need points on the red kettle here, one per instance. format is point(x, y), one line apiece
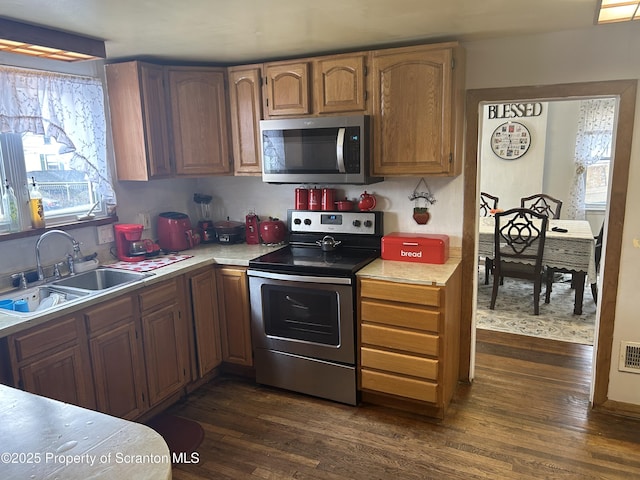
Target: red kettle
point(367, 202)
point(272, 231)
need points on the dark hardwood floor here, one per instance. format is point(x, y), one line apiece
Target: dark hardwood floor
point(526, 416)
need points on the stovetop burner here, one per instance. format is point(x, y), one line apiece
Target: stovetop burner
point(360, 234)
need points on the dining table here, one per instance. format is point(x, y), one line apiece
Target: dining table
point(569, 246)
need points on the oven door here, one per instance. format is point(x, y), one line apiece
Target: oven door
point(303, 315)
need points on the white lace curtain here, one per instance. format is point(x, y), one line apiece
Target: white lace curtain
point(68, 108)
point(593, 143)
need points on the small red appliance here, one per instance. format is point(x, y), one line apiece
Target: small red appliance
point(252, 234)
point(415, 247)
point(175, 232)
point(127, 233)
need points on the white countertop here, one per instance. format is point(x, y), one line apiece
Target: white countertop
point(45, 438)
point(410, 272)
point(203, 255)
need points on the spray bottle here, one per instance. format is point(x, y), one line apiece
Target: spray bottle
point(36, 208)
point(10, 207)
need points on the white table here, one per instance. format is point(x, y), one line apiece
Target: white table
point(573, 250)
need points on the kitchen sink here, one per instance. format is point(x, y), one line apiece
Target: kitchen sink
point(99, 279)
point(41, 299)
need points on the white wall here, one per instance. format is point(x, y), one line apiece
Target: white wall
point(606, 52)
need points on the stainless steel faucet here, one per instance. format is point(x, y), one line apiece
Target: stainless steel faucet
point(76, 250)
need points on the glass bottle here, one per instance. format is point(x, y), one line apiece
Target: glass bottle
point(36, 208)
point(10, 206)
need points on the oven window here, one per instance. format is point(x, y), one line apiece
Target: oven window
point(301, 314)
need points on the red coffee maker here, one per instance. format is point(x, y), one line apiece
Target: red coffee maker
point(126, 233)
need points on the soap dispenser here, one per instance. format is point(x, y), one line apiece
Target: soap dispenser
point(36, 208)
point(10, 207)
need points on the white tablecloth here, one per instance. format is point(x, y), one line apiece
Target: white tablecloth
point(573, 250)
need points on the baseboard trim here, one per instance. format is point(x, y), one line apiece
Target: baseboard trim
point(619, 408)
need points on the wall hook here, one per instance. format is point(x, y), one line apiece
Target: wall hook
point(428, 196)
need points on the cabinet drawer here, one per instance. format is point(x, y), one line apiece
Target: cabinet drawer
point(109, 314)
point(401, 292)
point(400, 316)
point(160, 294)
point(400, 386)
point(398, 363)
point(400, 339)
point(47, 337)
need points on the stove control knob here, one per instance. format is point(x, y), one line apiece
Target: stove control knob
point(307, 221)
point(368, 223)
point(297, 221)
point(356, 223)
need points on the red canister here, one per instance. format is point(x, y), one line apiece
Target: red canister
point(302, 199)
point(315, 198)
point(328, 199)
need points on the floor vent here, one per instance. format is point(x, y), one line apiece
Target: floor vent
point(629, 357)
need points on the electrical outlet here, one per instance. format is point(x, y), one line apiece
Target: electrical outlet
point(105, 234)
point(144, 219)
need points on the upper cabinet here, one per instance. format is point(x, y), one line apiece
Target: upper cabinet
point(418, 110)
point(168, 121)
point(340, 83)
point(199, 120)
point(139, 120)
point(287, 88)
point(245, 98)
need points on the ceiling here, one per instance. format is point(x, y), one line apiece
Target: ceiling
point(240, 31)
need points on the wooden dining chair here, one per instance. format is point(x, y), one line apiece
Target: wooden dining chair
point(542, 203)
point(598, 256)
point(519, 245)
point(487, 203)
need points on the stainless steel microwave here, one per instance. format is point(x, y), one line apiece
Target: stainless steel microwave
point(329, 150)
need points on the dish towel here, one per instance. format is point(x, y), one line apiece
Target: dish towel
point(150, 263)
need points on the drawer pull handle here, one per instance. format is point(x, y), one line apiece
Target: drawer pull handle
point(410, 244)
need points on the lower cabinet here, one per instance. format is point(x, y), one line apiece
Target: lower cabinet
point(206, 323)
point(52, 360)
point(409, 343)
point(235, 315)
point(117, 357)
point(165, 339)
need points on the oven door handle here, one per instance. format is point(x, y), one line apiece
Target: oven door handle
point(299, 278)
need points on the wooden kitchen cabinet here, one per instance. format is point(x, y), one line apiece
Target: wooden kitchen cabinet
point(286, 87)
point(245, 98)
point(52, 360)
point(235, 315)
point(204, 300)
point(418, 95)
point(199, 117)
point(409, 343)
point(340, 83)
point(117, 357)
point(165, 339)
point(139, 120)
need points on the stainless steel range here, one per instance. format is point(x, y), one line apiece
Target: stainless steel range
point(303, 303)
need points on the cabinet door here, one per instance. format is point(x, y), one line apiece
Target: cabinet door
point(63, 375)
point(413, 104)
point(165, 345)
point(116, 357)
point(339, 84)
point(235, 317)
point(199, 121)
point(287, 89)
point(117, 371)
point(139, 120)
point(205, 317)
point(245, 96)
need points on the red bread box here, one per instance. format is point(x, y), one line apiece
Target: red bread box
point(415, 247)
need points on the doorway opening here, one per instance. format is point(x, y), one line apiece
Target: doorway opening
point(625, 92)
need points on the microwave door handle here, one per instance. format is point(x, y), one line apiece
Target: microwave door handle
point(340, 150)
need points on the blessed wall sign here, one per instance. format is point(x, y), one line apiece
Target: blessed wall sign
point(514, 110)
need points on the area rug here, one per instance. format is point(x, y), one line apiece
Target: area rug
point(181, 434)
point(514, 311)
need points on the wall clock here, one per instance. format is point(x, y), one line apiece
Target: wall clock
point(510, 140)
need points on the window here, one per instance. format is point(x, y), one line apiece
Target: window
point(52, 129)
